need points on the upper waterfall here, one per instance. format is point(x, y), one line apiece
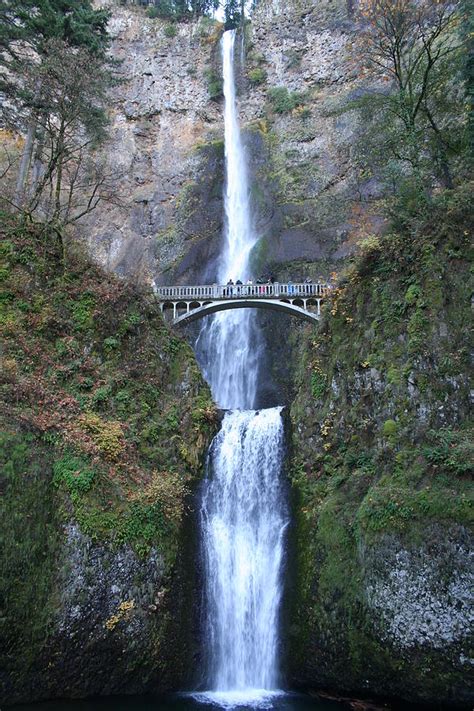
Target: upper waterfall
point(232, 339)
point(239, 233)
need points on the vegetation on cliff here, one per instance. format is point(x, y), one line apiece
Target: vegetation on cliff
point(105, 421)
point(383, 455)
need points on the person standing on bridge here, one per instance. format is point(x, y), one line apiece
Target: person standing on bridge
point(230, 289)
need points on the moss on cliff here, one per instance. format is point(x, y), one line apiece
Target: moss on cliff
point(383, 449)
point(105, 421)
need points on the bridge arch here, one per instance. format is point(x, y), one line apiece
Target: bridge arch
point(270, 304)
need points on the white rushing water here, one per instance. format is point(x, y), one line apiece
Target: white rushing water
point(243, 523)
point(229, 343)
point(243, 511)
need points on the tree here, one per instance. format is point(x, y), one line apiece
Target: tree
point(71, 120)
point(182, 9)
point(27, 28)
point(232, 14)
point(414, 47)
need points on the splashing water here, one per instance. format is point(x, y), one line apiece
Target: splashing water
point(243, 521)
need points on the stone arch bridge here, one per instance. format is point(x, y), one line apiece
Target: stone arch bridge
point(184, 304)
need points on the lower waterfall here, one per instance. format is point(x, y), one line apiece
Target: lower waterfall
point(243, 520)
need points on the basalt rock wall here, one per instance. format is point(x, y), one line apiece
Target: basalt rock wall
point(166, 144)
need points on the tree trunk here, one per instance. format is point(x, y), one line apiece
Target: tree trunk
point(446, 178)
point(38, 165)
point(59, 174)
point(242, 33)
point(25, 162)
point(27, 150)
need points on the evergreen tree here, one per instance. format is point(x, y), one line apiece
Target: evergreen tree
point(182, 9)
point(232, 14)
point(27, 28)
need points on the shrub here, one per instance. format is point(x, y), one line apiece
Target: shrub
point(303, 112)
point(453, 451)
point(107, 435)
point(283, 101)
point(170, 30)
point(76, 474)
point(389, 429)
point(111, 344)
point(318, 382)
point(214, 84)
point(294, 58)
point(82, 311)
point(412, 294)
point(257, 76)
point(169, 491)
point(210, 31)
point(129, 323)
point(101, 395)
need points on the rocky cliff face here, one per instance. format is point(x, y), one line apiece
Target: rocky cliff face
point(381, 473)
point(161, 113)
point(166, 144)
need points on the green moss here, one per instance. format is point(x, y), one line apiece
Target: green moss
point(215, 147)
point(373, 466)
point(258, 258)
point(99, 378)
point(29, 543)
point(416, 329)
point(390, 429)
point(394, 377)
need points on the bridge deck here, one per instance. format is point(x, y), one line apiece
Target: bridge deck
point(226, 291)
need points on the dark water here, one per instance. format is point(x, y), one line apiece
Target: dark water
point(181, 702)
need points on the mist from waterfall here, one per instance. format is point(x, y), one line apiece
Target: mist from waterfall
point(243, 512)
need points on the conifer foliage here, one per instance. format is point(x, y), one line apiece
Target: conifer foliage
point(54, 74)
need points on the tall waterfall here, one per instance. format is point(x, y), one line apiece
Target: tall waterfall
point(243, 512)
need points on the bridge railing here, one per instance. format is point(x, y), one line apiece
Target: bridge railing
point(227, 291)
